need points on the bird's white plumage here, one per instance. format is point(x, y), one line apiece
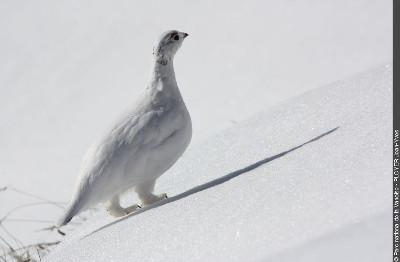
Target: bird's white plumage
point(142, 145)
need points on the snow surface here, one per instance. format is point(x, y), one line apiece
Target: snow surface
point(367, 240)
point(306, 179)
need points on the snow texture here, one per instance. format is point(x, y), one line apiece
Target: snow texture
point(297, 181)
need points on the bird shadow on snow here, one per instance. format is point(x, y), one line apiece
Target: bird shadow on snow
point(214, 182)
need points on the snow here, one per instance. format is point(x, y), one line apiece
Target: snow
point(299, 180)
point(347, 244)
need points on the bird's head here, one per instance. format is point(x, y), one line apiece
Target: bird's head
point(168, 44)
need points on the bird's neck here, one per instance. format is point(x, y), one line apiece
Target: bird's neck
point(163, 75)
point(163, 67)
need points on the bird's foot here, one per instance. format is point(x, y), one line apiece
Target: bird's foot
point(153, 199)
point(116, 211)
point(132, 208)
point(120, 211)
point(162, 196)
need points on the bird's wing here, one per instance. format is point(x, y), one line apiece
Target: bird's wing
point(133, 131)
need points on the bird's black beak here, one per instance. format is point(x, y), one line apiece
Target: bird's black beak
point(185, 35)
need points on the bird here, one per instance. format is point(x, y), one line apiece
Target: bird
point(141, 145)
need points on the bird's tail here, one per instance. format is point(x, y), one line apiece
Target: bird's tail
point(72, 210)
point(78, 204)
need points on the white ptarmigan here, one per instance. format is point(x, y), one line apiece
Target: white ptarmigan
point(141, 146)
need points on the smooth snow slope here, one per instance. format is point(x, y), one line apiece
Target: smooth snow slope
point(367, 240)
point(308, 174)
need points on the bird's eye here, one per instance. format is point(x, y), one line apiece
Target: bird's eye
point(176, 37)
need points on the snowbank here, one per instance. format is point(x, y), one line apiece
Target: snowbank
point(306, 176)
